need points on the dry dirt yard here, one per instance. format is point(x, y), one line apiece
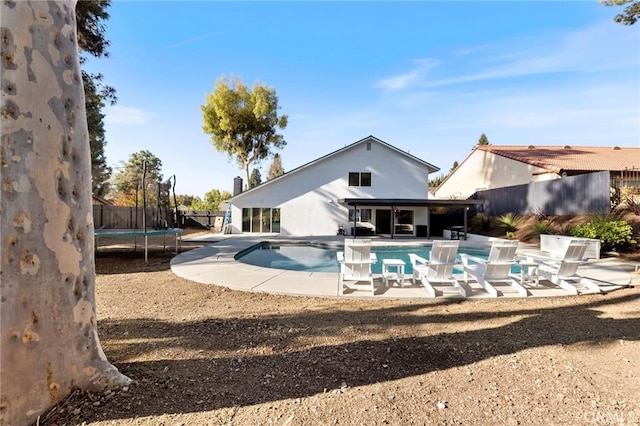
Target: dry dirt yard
point(204, 355)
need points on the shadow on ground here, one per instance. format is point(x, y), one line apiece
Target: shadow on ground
point(246, 361)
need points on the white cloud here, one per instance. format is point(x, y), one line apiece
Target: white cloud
point(119, 114)
point(597, 48)
point(411, 78)
point(192, 40)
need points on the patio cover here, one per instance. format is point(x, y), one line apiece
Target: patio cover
point(410, 202)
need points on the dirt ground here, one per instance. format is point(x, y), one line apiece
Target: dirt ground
point(203, 355)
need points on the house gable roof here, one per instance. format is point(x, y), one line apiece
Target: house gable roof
point(430, 167)
point(558, 159)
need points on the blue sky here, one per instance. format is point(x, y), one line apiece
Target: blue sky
point(427, 77)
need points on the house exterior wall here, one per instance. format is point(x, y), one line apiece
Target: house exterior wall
point(308, 198)
point(485, 170)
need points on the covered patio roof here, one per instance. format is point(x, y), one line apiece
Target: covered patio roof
point(411, 202)
point(408, 202)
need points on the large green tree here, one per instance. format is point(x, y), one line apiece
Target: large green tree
point(185, 200)
point(255, 179)
point(631, 13)
point(129, 182)
point(276, 168)
point(91, 17)
point(95, 98)
point(212, 200)
point(243, 123)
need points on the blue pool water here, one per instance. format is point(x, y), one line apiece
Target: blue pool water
point(322, 258)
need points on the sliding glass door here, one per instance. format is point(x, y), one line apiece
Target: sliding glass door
point(403, 222)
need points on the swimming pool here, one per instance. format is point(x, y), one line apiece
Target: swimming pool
point(314, 257)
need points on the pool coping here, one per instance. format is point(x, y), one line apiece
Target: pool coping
point(215, 264)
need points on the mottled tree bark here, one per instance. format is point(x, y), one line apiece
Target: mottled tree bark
point(49, 342)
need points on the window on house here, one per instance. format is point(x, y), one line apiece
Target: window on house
point(246, 219)
point(354, 179)
point(255, 219)
point(275, 220)
point(360, 215)
point(260, 219)
point(359, 179)
point(404, 222)
point(266, 220)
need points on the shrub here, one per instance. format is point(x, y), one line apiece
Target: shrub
point(613, 234)
point(483, 221)
point(542, 227)
point(584, 230)
point(510, 221)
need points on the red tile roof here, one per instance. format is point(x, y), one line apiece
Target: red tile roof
point(568, 158)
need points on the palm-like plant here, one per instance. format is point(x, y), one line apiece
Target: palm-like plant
point(542, 227)
point(510, 221)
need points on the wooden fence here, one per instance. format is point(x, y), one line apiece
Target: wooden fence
point(119, 217)
point(202, 219)
point(582, 194)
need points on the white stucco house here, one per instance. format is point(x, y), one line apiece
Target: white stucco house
point(369, 185)
point(498, 166)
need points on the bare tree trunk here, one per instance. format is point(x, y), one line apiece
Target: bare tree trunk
point(49, 342)
point(247, 185)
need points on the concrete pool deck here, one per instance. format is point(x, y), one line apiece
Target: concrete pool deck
point(215, 264)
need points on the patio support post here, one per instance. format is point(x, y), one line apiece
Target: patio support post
point(393, 221)
point(466, 210)
point(355, 219)
point(428, 222)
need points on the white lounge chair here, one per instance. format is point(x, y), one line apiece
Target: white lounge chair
point(564, 272)
point(494, 270)
point(355, 263)
point(438, 269)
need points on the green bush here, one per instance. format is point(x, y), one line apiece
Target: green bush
point(613, 234)
point(482, 221)
point(510, 221)
point(542, 227)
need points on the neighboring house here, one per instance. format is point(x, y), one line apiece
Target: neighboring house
point(496, 166)
point(370, 185)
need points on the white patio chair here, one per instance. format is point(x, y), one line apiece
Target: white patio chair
point(438, 269)
point(494, 270)
point(355, 264)
point(564, 272)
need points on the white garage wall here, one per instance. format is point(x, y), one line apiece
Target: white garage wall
point(486, 170)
